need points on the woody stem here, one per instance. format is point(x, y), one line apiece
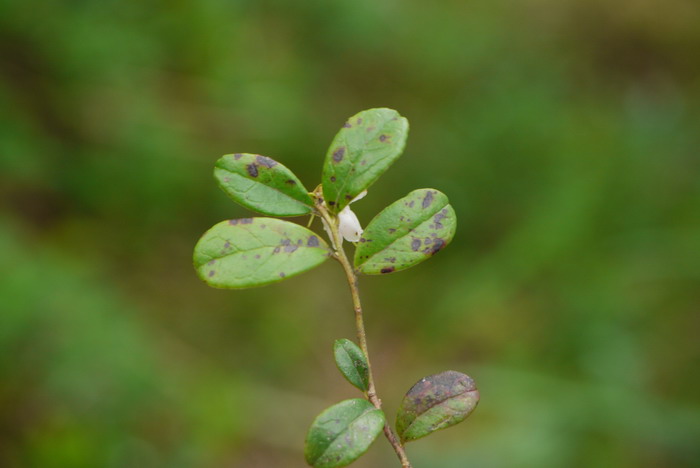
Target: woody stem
point(371, 393)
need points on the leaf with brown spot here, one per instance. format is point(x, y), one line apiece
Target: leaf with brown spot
point(363, 150)
point(410, 230)
point(436, 402)
point(262, 184)
point(249, 252)
point(342, 433)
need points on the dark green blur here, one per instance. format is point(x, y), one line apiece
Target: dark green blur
point(566, 134)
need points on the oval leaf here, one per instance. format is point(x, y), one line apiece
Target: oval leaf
point(242, 253)
point(434, 403)
point(342, 433)
point(352, 363)
point(262, 184)
point(406, 232)
point(365, 147)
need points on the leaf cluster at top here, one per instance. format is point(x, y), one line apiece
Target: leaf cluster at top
point(241, 253)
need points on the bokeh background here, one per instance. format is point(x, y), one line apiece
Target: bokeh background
point(565, 133)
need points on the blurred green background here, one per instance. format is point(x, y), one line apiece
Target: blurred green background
point(565, 133)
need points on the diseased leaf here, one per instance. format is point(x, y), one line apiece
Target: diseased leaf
point(262, 184)
point(436, 402)
point(242, 253)
point(343, 432)
point(352, 363)
point(363, 149)
point(407, 232)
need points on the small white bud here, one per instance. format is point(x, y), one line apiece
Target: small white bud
point(349, 225)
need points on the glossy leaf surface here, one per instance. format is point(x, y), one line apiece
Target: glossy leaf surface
point(363, 149)
point(262, 184)
point(407, 232)
point(343, 432)
point(352, 363)
point(242, 253)
point(436, 402)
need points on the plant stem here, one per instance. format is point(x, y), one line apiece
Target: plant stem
point(337, 241)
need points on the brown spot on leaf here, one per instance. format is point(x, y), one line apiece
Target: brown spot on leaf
point(438, 244)
point(387, 269)
point(439, 217)
point(392, 230)
point(247, 221)
point(233, 222)
point(277, 250)
point(290, 182)
point(237, 156)
point(312, 242)
point(282, 275)
point(359, 121)
point(390, 259)
point(290, 248)
point(332, 178)
point(415, 244)
point(252, 169)
point(383, 138)
point(265, 161)
point(331, 203)
point(428, 199)
point(227, 245)
point(338, 154)
point(257, 256)
point(347, 125)
point(211, 273)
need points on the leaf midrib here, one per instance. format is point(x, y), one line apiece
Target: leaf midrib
point(431, 407)
point(414, 227)
point(270, 187)
point(365, 412)
point(352, 366)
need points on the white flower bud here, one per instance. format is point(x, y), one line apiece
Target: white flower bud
point(349, 225)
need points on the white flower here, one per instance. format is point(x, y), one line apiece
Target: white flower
point(349, 225)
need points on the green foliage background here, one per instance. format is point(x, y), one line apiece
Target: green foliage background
point(564, 132)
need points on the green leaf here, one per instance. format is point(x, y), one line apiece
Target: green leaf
point(343, 432)
point(410, 230)
point(242, 253)
point(434, 403)
point(352, 363)
point(262, 184)
point(363, 149)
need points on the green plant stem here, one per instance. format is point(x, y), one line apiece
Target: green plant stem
point(371, 393)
